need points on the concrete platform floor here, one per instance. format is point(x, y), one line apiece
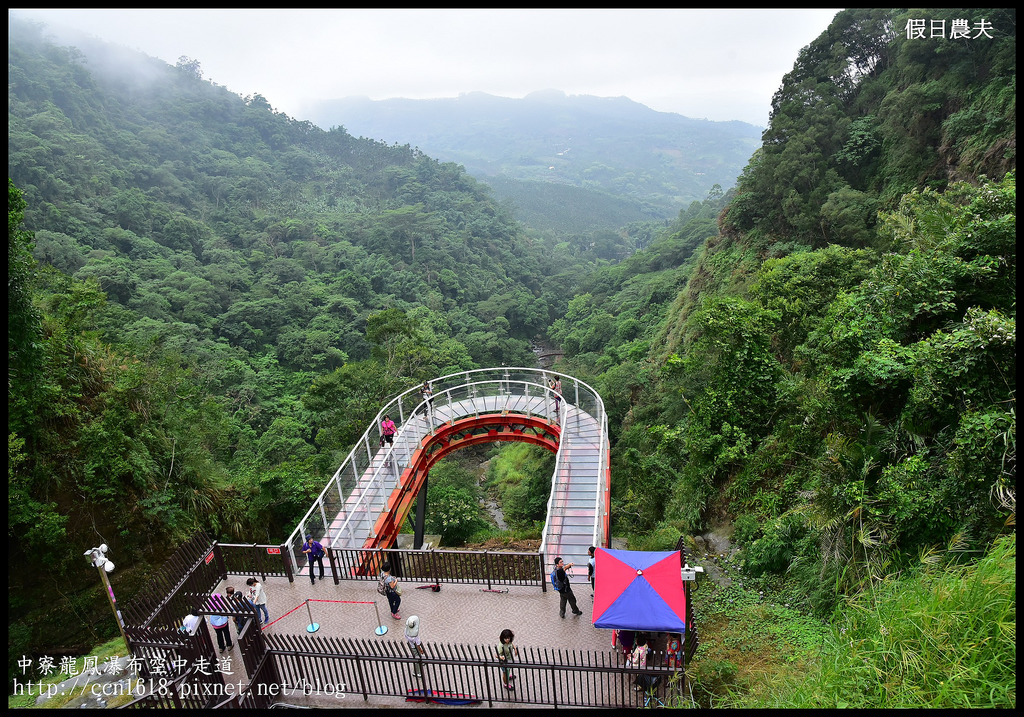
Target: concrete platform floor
point(457, 614)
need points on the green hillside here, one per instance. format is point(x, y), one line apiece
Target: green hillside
point(659, 160)
point(834, 384)
point(210, 300)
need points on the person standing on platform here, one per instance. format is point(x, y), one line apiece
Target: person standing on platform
point(590, 568)
point(259, 599)
point(239, 601)
point(564, 588)
point(314, 554)
point(412, 638)
point(506, 649)
point(220, 624)
point(392, 591)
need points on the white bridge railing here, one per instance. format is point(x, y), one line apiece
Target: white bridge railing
point(344, 513)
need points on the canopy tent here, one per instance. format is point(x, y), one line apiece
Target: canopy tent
point(639, 590)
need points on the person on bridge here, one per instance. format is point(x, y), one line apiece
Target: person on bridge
point(556, 389)
point(387, 431)
point(314, 554)
point(220, 624)
point(565, 588)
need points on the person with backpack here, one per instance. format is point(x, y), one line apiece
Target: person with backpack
point(560, 581)
point(314, 554)
point(388, 587)
point(427, 391)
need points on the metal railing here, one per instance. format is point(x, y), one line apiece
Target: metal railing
point(349, 505)
point(254, 559)
point(193, 569)
point(441, 566)
point(552, 677)
point(587, 400)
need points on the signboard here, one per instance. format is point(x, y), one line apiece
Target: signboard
point(209, 557)
point(273, 551)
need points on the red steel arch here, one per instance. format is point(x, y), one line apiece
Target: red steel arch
point(484, 428)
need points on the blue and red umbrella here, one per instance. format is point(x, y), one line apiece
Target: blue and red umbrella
point(638, 590)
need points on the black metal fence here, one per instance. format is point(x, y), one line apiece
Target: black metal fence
point(558, 678)
point(440, 566)
point(254, 559)
point(166, 658)
point(320, 665)
point(193, 570)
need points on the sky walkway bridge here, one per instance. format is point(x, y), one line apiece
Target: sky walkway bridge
point(377, 488)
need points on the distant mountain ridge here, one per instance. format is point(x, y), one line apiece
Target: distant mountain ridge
point(660, 161)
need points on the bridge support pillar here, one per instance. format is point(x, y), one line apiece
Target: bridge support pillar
point(421, 515)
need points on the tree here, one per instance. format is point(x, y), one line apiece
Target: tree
point(190, 67)
point(23, 327)
point(395, 340)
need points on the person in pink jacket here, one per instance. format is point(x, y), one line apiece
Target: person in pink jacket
point(387, 431)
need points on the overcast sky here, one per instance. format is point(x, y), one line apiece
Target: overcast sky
point(714, 64)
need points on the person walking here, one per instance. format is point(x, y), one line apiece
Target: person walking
point(314, 554)
point(506, 649)
point(412, 638)
point(427, 391)
point(590, 568)
point(392, 591)
point(387, 431)
point(564, 588)
point(258, 598)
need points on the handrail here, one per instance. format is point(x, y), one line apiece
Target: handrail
point(388, 455)
point(408, 406)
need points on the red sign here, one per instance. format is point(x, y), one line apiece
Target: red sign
point(273, 551)
point(209, 557)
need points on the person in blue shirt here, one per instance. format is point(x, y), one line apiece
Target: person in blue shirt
point(315, 554)
point(220, 626)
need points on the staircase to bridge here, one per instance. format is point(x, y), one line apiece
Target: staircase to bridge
point(377, 488)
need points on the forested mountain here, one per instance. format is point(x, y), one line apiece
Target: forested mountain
point(224, 297)
point(836, 380)
point(606, 154)
point(208, 300)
